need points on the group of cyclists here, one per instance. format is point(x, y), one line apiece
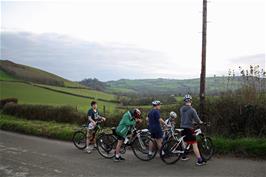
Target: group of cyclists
point(156, 125)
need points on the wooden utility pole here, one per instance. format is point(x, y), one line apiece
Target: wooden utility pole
point(203, 60)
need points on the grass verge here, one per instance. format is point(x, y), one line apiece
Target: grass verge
point(244, 147)
point(49, 129)
point(247, 147)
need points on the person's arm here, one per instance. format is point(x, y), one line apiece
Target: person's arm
point(128, 121)
point(139, 121)
point(163, 123)
point(103, 118)
point(90, 118)
point(196, 117)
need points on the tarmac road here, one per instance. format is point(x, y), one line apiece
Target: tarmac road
point(23, 155)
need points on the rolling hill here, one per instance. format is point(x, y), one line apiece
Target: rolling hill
point(161, 86)
point(30, 74)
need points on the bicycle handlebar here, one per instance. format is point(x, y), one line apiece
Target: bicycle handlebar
point(204, 124)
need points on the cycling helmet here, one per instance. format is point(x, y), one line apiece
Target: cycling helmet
point(156, 103)
point(187, 98)
point(137, 113)
point(173, 114)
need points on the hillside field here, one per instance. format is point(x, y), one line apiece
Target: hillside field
point(31, 74)
point(29, 94)
point(83, 92)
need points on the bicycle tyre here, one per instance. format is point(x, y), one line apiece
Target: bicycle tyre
point(206, 148)
point(79, 140)
point(166, 152)
point(106, 144)
point(137, 147)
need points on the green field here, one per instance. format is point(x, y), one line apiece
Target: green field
point(5, 76)
point(29, 94)
point(84, 92)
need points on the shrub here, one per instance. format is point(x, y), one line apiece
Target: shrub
point(3, 102)
point(233, 117)
point(44, 112)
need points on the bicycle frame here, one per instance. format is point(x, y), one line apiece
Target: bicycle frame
point(133, 135)
point(181, 141)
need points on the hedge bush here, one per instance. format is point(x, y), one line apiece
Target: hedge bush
point(3, 102)
point(44, 112)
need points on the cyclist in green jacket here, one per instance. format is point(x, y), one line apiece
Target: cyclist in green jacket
point(129, 120)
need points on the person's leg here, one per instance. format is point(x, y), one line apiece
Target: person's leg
point(159, 139)
point(184, 156)
point(93, 142)
point(117, 150)
point(196, 150)
point(151, 145)
point(200, 160)
point(159, 142)
point(118, 147)
point(88, 141)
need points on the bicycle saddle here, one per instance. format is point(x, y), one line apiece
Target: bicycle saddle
point(179, 129)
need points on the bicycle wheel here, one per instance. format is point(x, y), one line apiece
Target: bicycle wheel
point(79, 139)
point(206, 147)
point(140, 148)
point(106, 143)
point(171, 152)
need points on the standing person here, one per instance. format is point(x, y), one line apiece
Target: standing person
point(188, 116)
point(93, 118)
point(128, 121)
point(155, 121)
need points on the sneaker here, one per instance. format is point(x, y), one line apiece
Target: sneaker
point(121, 158)
point(88, 150)
point(200, 163)
point(184, 158)
point(117, 159)
point(149, 156)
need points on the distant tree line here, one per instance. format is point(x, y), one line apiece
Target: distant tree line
point(133, 99)
point(94, 84)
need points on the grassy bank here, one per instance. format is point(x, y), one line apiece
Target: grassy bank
point(50, 129)
point(245, 147)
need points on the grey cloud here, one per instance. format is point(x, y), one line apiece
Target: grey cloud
point(77, 59)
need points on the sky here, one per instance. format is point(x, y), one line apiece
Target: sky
point(117, 39)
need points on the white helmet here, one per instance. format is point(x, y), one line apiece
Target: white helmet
point(187, 97)
point(173, 114)
point(156, 103)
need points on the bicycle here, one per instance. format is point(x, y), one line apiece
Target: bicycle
point(79, 137)
point(138, 141)
point(173, 149)
point(169, 134)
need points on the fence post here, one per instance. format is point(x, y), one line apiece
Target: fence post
point(104, 110)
